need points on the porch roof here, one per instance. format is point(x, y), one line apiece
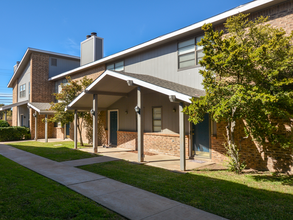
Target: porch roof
point(111, 86)
point(41, 108)
point(6, 107)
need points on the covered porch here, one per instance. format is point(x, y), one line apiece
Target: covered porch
point(139, 106)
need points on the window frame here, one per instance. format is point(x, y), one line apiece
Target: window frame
point(196, 51)
point(22, 91)
point(114, 65)
point(153, 107)
point(54, 61)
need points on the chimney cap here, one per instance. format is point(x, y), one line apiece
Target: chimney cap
point(94, 34)
point(88, 36)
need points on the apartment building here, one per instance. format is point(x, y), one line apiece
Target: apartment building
point(139, 93)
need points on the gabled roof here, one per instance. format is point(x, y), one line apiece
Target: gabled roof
point(41, 108)
point(166, 84)
point(184, 32)
point(6, 107)
point(111, 86)
point(26, 57)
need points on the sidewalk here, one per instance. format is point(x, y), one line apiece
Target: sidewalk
point(129, 201)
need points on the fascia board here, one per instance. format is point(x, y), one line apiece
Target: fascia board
point(33, 107)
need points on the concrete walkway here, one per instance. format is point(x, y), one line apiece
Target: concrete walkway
point(129, 201)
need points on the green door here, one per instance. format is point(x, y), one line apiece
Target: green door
point(113, 128)
point(201, 137)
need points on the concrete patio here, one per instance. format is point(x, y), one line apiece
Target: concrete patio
point(157, 160)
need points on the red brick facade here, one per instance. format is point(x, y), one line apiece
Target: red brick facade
point(158, 143)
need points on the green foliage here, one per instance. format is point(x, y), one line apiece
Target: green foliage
point(14, 133)
point(248, 75)
point(69, 92)
point(4, 123)
point(234, 163)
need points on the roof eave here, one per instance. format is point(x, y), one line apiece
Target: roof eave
point(215, 19)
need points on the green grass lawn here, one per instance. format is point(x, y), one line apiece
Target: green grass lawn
point(25, 194)
point(246, 196)
point(57, 151)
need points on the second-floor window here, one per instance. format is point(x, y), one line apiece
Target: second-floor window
point(22, 91)
point(118, 66)
point(189, 53)
point(53, 62)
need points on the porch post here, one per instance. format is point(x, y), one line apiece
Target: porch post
point(46, 128)
point(182, 137)
point(140, 128)
point(5, 115)
point(95, 122)
point(36, 126)
point(75, 129)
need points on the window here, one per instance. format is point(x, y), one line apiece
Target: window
point(157, 119)
point(53, 62)
point(22, 91)
point(189, 54)
point(118, 66)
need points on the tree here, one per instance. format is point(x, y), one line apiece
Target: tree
point(68, 93)
point(248, 76)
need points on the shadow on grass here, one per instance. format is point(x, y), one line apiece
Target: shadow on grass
point(226, 195)
point(283, 179)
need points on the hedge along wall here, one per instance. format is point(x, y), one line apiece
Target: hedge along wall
point(14, 133)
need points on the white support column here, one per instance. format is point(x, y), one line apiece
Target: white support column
point(75, 129)
point(140, 127)
point(36, 126)
point(46, 128)
point(182, 137)
point(95, 122)
point(5, 115)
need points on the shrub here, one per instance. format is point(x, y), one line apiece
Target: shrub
point(234, 163)
point(4, 123)
point(14, 133)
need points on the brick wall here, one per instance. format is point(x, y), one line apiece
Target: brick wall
point(92, 73)
point(41, 88)
point(41, 126)
point(158, 143)
point(265, 157)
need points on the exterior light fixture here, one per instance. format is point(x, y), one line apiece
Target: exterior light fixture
point(92, 112)
point(174, 110)
point(35, 115)
point(137, 109)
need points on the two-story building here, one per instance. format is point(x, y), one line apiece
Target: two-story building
point(144, 89)
point(139, 93)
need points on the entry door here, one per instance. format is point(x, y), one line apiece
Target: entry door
point(201, 137)
point(113, 127)
point(21, 120)
point(67, 130)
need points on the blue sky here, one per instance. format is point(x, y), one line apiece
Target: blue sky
point(60, 25)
